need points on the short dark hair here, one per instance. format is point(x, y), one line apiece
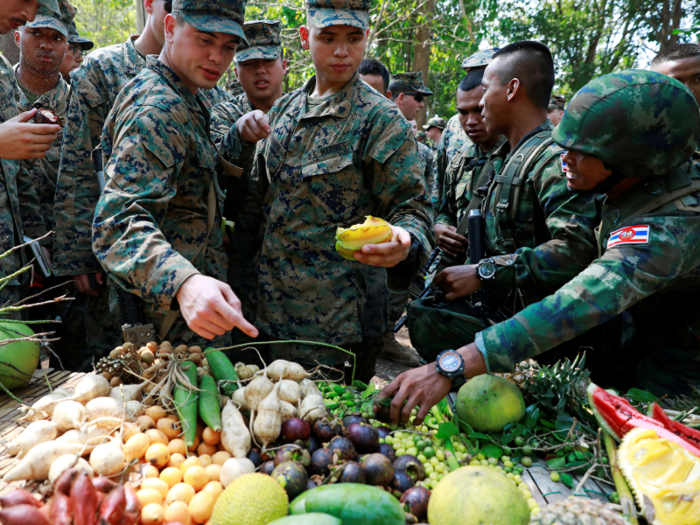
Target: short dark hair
point(372, 66)
point(472, 80)
point(677, 52)
point(531, 63)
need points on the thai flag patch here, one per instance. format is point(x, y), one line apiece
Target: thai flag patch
point(629, 235)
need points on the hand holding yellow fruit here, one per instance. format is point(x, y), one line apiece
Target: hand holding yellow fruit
point(372, 231)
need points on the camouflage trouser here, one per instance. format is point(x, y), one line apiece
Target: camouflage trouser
point(396, 307)
point(9, 296)
point(103, 328)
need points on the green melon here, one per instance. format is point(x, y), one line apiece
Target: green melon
point(22, 354)
point(488, 403)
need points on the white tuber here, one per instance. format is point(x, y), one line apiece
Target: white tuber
point(134, 409)
point(267, 424)
point(287, 410)
point(308, 387)
point(235, 437)
point(235, 468)
point(38, 461)
point(131, 393)
point(239, 400)
point(102, 407)
point(64, 463)
point(290, 391)
point(68, 415)
point(257, 390)
point(89, 387)
point(108, 459)
point(43, 408)
point(280, 369)
point(312, 408)
point(36, 433)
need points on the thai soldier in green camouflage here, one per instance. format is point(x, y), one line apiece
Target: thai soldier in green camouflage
point(95, 86)
point(434, 128)
point(538, 235)
point(157, 228)
point(19, 139)
point(629, 136)
point(337, 151)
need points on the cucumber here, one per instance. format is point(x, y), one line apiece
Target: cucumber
point(352, 503)
point(185, 401)
point(209, 406)
point(223, 371)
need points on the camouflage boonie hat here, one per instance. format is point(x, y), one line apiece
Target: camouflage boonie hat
point(436, 122)
point(213, 16)
point(556, 102)
point(409, 83)
point(479, 59)
point(264, 41)
point(77, 40)
point(640, 123)
point(46, 18)
point(326, 13)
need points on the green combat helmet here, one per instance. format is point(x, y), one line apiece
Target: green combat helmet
point(326, 13)
point(639, 123)
point(480, 59)
point(263, 41)
point(409, 83)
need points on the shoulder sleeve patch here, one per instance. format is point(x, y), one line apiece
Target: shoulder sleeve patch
point(639, 234)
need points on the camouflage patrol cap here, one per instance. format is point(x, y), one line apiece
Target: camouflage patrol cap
point(479, 59)
point(263, 38)
point(409, 83)
point(436, 122)
point(77, 40)
point(326, 13)
point(556, 102)
point(421, 135)
point(46, 18)
point(213, 16)
point(51, 5)
point(640, 123)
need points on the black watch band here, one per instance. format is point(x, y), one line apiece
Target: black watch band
point(486, 270)
point(451, 365)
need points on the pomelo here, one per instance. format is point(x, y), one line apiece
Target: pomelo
point(24, 355)
point(477, 496)
point(488, 403)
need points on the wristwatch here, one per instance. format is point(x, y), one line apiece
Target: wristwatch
point(451, 365)
point(414, 251)
point(486, 271)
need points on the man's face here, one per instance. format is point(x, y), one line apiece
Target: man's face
point(41, 49)
point(262, 79)
point(156, 8)
point(685, 70)
point(376, 81)
point(73, 59)
point(336, 51)
point(434, 133)
point(470, 115)
point(555, 115)
point(16, 13)
point(414, 127)
point(410, 105)
point(199, 58)
point(584, 172)
point(494, 101)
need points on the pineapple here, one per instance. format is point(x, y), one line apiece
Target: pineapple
point(578, 511)
point(523, 375)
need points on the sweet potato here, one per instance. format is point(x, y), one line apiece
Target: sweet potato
point(84, 495)
point(22, 515)
point(18, 497)
point(36, 433)
point(235, 437)
point(38, 461)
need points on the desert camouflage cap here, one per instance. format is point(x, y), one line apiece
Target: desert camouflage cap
point(213, 16)
point(263, 38)
point(435, 122)
point(77, 40)
point(556, 102)
point(48, 19)
point(326, 13)
point(409, 83)
point(640, 123)
point(479, 59)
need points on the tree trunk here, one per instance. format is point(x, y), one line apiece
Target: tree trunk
point(421, 51)
point(9, 48)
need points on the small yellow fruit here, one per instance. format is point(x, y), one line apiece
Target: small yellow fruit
point(190, 462)
point(177, 446)
point(213, 471)
point(156, 436)
point(171, 475)
point(157, 484)
point(205, 459)
point(136, 446)
point(180, 492)
point(176, 460)
point(151, 472)
point(158, 455)
point(169, 426)
point(210, 437)
point(196, 476)
point(156, 412)
point(179, 512)
point(130, 430)
point(215, 488)
point(221, 457)
point(145, 423)
point(204, 449)
point(152, 514)
point(147, 496)
point(152, 346)
point(201, 507)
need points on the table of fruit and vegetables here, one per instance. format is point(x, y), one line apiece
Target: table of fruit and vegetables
point(181, 435)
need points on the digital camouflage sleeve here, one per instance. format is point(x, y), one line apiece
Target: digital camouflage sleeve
point(453, 140)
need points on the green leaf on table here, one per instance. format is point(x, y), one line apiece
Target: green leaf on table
point(491, 450)
point(367, 406)
point(359, 385)
point(512, 433)
point(641, 396)
point(567, 480)
point(478, 435)
point(547, 423)
point(447, 430)
point(369, 390)
point(532, 417)
point(556, 463)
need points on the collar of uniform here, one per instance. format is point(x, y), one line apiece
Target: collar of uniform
point(174, 81)
point(133, 61)
point(504, 150)
point(338, 105)
point(51, 99)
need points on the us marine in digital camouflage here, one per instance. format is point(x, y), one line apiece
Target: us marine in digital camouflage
point(434, 128)
point(19, 139)
point(77, 46)
point(337, 151)
point(629, 136)
point(157, 228)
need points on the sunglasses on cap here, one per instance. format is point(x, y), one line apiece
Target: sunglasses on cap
point(417, 96)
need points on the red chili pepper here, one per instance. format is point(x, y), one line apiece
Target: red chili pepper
point(84, 496)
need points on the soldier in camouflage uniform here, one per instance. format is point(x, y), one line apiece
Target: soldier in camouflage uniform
point(337, 151)
point(434, 128)
point(555, 110)
point(20, 139)
point(629, 136)
point(157, 228)
point(538, 235)
point(95, 86)
point(77, 46)
point(422, 138)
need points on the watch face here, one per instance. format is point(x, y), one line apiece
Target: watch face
point(487, 270)
point(450, 362)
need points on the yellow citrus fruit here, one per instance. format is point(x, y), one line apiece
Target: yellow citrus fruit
point(158, 455)
point(201, 507)
point(147, 496)
point(196, 476)
point(152, 514)
point(179, 512)
point(180, 492)
point(172, 476)
point(156, 483)
point(220, 457)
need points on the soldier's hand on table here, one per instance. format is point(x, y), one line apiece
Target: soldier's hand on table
point(458, 281)
point(449, 241)
point(387, 254)
point(210, 307)
point(82, 283)
point(21, 139)
point(253, 126)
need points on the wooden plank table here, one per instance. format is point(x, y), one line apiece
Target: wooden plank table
point(43, 381)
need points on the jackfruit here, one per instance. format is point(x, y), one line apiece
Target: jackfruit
point(252, 499)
